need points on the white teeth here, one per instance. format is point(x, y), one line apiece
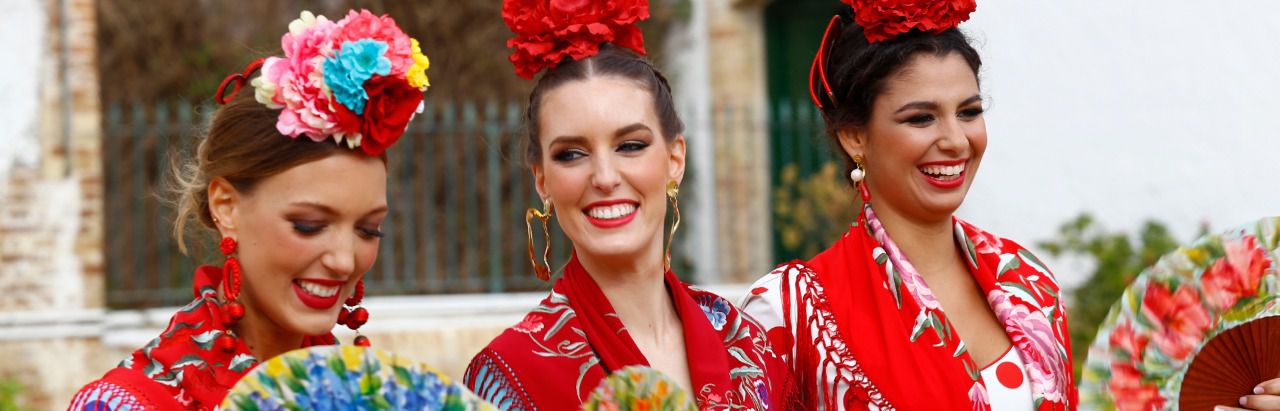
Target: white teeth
point(612, 212)
point(318, 290)
point(943, 171)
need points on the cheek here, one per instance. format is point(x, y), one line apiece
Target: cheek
point(977, 135)
point(564, 185)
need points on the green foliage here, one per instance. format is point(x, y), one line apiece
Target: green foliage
point(1117, 258)
point(11, 395)
point(811, 212)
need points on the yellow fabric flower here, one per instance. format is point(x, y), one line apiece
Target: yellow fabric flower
point(418, 72)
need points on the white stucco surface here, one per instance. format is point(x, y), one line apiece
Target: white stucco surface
point(1130, 111)
point(22, 29)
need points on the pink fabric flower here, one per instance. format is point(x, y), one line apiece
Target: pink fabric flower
point(1032, 334)
point(528, 325)
point(1180, 320)
point(366, 25)
point(978, 396)
point(986, 243)
point(1237, 275)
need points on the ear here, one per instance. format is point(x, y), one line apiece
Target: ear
point(678, 153)
point(539, 180)
point(223, 201)
point(853, 140)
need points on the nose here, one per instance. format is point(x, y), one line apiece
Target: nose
point(951, 137)
point(604, 175)
point(340, 259)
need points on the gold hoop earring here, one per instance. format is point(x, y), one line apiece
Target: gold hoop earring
point(673, 192)
point(543, 271)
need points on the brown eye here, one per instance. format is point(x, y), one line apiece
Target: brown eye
point(568, 155)
point(632, 146)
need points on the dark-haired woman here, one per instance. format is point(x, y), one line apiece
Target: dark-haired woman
point(607, 155)
point(913, 309)
point(292, 178)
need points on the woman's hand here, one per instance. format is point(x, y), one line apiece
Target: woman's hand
point(1266, 398)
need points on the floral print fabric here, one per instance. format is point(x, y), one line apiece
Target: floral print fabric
point(1151, 336)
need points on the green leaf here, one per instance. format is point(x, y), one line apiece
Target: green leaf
point(189, 359)
point(747, 371)
point(181, 326)
point(205, 339)
point(242, 362)
point(918, 328)
point(1008, 262)
point(564, 318)
point(740, 355)
point(1034, 261)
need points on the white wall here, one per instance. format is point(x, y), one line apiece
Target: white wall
point(1129, 110)
point(22, 28)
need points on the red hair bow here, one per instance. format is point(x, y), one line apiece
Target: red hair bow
point(885, 19)
point(548, 31)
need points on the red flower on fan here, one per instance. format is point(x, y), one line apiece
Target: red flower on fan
point(548, 31)
point(1129, 392)
point(1124, 338)
point(885, 19)
point(1237, 275)
point(1179, 319)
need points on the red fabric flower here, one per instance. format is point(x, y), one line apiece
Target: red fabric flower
point(885, 19)
point(548, 31)
point(1126, 339)
point(392, 103)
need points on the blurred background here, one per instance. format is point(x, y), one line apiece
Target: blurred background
point(1117, 131)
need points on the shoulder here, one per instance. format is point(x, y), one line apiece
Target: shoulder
point(772, 294)
point(123, 389)
point(1004, 251)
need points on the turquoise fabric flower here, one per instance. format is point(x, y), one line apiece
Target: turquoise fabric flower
point(353, 64)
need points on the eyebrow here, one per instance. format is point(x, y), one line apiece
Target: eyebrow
point(331, 211)
point(619, 133)
point(929, 105)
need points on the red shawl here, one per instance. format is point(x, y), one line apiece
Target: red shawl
point(893, 338)
point(564, 348)
point(182, 368)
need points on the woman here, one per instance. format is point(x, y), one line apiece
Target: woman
point(299, 218)
point(913, 309)
point(606, 152)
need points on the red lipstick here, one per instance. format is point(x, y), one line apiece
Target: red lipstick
point(315, 301)
point(613, 222)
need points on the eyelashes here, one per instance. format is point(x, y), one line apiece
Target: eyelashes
point(927, 119)
point(311, 228)
point(571, 154)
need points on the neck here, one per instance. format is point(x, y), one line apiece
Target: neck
point(636, 288)
point(264, 338)
point(928, 245)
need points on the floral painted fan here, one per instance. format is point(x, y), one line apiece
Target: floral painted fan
point(638, 388)
point(1199, 328)
point(347, 378)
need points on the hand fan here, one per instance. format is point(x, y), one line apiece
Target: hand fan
point(638, 388)
point(347, 378)
point(1231, 364)
point(1197, 329)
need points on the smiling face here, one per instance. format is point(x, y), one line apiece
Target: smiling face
point(605, 166)
point(306, 236)
point(924, 140)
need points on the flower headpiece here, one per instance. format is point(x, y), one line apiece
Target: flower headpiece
point(358, 80)
point(548, 31)
point(883, 20)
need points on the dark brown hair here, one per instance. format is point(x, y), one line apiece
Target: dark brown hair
point(243, 147)
point(857, 71)
point(611, 61)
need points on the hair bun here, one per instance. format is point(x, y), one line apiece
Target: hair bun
point(548, 31)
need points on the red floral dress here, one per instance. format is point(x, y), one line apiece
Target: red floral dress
point(860, 329)
point(181, 369)
point(568, 344)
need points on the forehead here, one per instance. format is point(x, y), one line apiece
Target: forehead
point(596, 105)
point(930, 77)
point(346, 182)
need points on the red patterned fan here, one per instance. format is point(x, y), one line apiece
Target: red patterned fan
point(1231, 364)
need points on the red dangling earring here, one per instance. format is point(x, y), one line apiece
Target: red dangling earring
point(353, 316)
point(231, 309)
